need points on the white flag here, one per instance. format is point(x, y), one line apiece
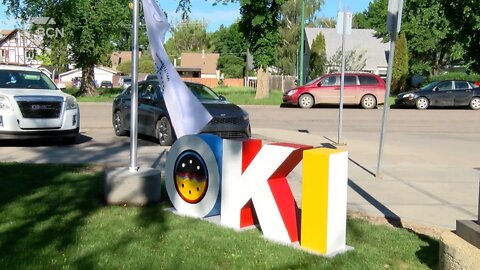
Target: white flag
point(187, 114)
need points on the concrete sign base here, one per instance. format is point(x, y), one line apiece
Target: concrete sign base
point(132, 188)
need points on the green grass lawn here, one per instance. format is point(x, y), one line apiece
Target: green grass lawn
point(54, 217)
point(246, 96)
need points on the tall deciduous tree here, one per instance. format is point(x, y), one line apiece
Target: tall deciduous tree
point(431, 42)
point(232, 46)
point(318, 57)
point(89, 27)
point(259, 23)
point(290, 14)
point(190, 36)
point(464, 16)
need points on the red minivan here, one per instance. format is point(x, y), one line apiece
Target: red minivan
point(365, 89)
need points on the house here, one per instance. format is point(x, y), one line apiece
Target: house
point(360, 40)
point(100, 74)
point(19, 47)
point(205, 62)
point(116, 58)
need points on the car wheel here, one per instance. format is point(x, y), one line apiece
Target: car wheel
point(164, 131)
point(422, 103)
point(305, 101)
point(118, 124)
point(475, 103)
point(368, 102)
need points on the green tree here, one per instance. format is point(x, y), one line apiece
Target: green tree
point(232, 46)
point(354, 60)
point(190, 36)
point(318, 57)
point(431, 42)
point(89, 27)
point(231, 66)
point(287, 49)
point(464, 17)
point(360, 21)
point(260, 23)
point(145, 65)
point(400, 65)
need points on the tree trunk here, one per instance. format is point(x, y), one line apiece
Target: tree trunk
point(263, 90)
point(87, 87)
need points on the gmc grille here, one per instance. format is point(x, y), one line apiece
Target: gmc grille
point(34, 107)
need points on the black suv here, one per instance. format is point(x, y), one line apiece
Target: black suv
point(229, 120)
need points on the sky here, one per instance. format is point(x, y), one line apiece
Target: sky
point(220, 14)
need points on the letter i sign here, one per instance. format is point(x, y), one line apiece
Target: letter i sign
point(255, 183)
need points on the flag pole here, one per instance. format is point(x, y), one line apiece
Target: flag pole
point(134, 101)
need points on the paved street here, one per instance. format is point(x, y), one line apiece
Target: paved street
point(431, 164)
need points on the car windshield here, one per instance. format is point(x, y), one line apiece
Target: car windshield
point(202, 91)
point(21, 79)
point(429, 86)
point(127, 80)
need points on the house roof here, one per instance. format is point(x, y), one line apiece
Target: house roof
point(6, 35)
point(376, 51)
point(125, 56)
point(206, 61)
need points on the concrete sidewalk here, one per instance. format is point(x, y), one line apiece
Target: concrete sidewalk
point(420, 188)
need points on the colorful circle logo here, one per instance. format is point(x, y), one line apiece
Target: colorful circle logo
point(191, 177)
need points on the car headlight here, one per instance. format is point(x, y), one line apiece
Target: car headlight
point(291, 92)
point(245, 115)
point(409, 96)
point(71, 103)
point(5, 104)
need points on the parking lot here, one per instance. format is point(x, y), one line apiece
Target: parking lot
point(430, 158)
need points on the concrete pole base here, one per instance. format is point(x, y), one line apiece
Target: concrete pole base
point(132, 188)
point(457, 254)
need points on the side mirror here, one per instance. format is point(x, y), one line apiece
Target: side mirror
point(435, 89)
point(222, 98)
point(61, 86)
point(319, 84)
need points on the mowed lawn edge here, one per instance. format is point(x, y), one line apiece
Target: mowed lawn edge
point(54, 216)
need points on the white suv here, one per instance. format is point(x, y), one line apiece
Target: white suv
point(32, 106)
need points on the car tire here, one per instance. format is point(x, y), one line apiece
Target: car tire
point(368, 102)
point(422, 103)
point(475, 103)
point(118, 126)
point(306, 101)
point(164, 132)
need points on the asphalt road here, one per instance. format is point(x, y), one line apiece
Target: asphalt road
point(430, 163)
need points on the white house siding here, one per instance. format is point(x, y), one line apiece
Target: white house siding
point(360, 40)
point(21, 48)
point(100, 74)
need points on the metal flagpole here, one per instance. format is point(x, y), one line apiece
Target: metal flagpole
point(301, 79)
point(134, 101)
